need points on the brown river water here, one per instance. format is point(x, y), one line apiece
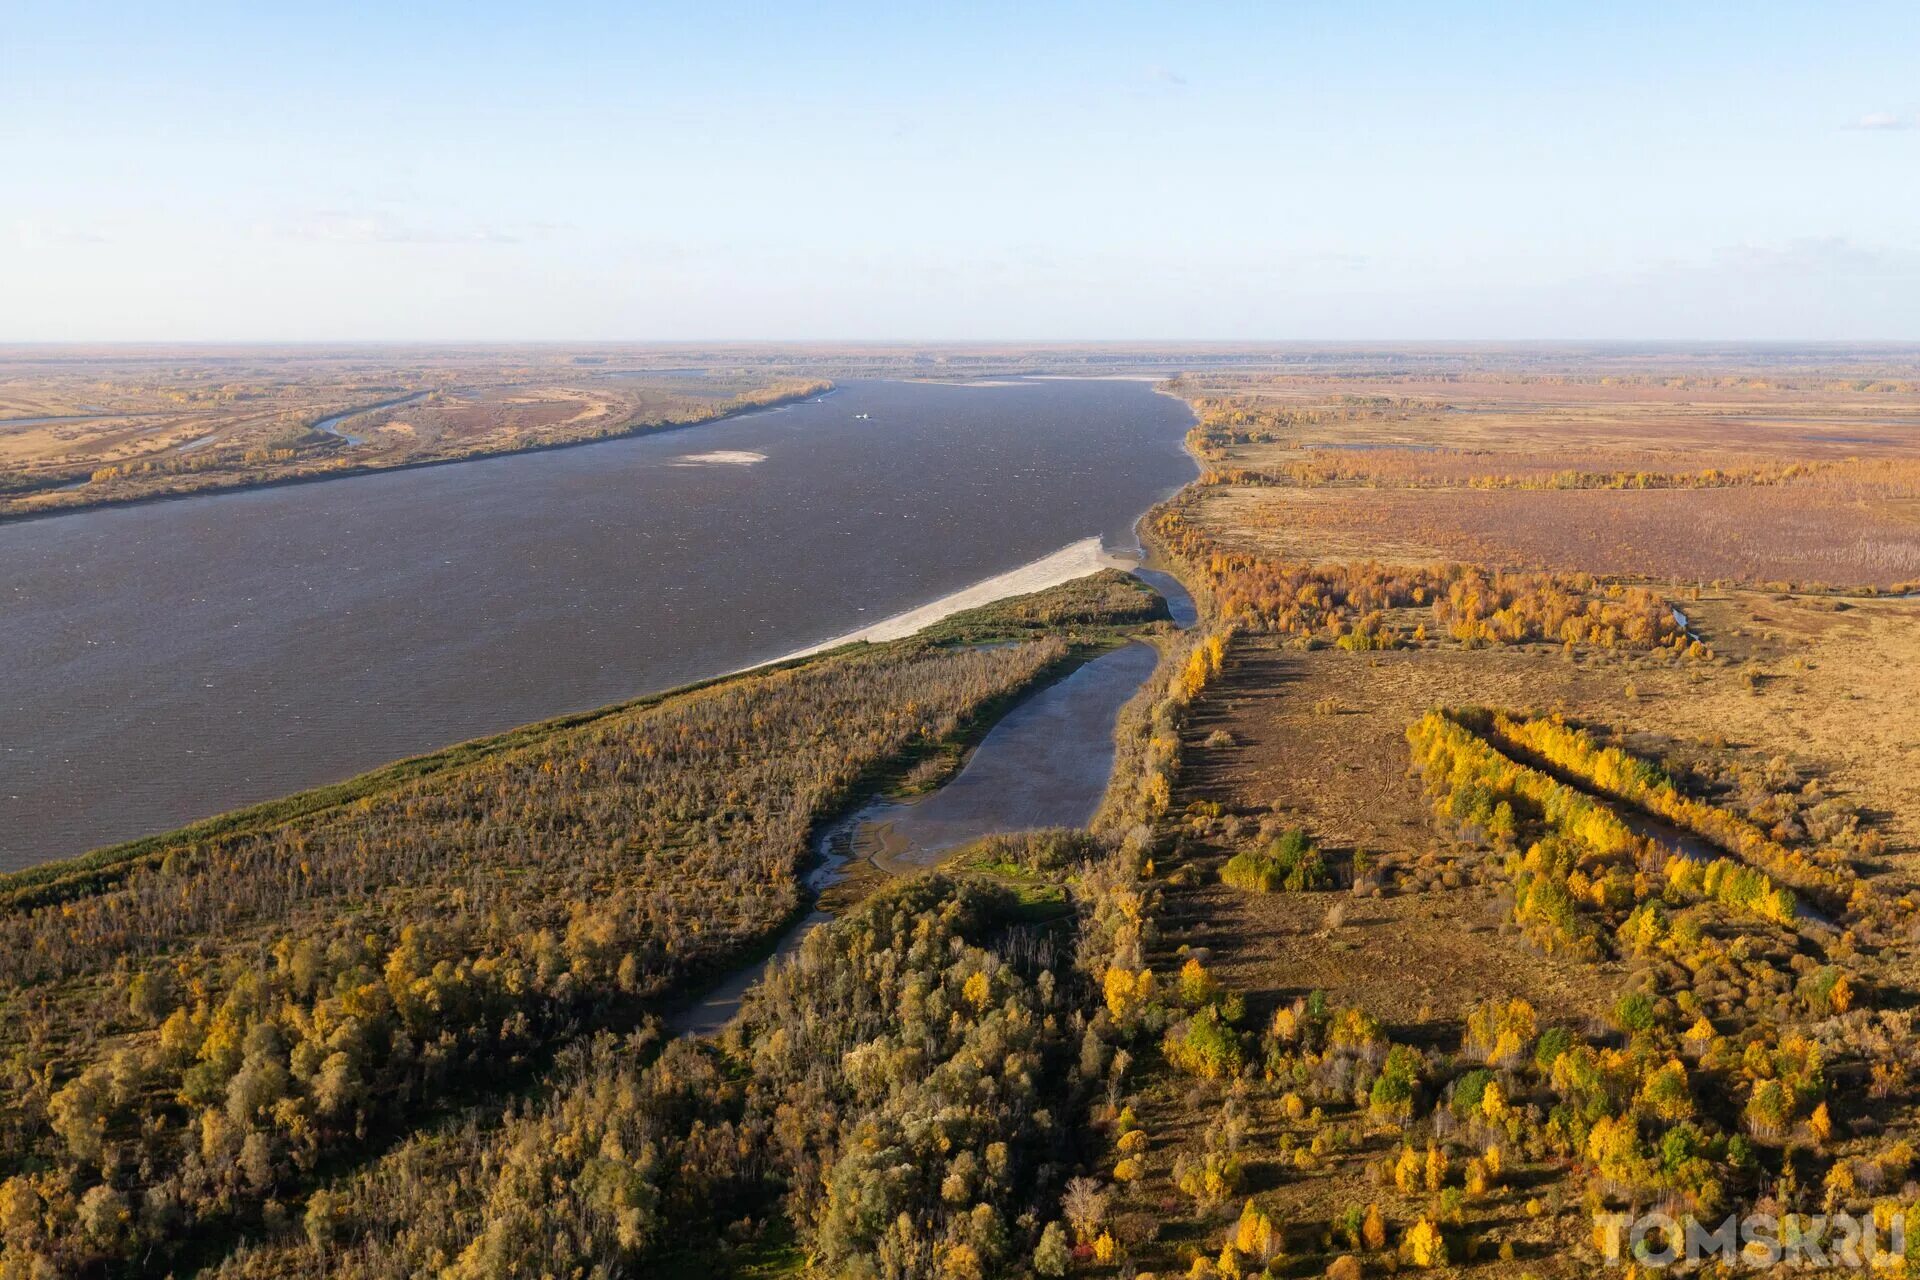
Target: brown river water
point(163, 662)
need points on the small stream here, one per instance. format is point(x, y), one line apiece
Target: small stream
point(1180, 606)
point(1046, 763)
point(331, 426)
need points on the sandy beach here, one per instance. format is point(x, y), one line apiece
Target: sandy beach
point(1075, 560)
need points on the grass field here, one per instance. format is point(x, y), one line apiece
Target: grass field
point(1739, 478)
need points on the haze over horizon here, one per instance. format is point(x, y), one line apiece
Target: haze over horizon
point(859, 172)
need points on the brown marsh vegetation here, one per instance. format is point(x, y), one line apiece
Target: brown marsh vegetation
point(1800, 478)
point(91, 426)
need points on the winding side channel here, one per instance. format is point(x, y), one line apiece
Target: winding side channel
point(1045, 764)
point(331, 426)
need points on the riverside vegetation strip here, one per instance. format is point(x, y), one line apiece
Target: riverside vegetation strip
point(198, 1026)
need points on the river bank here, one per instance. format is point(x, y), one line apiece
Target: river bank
point(341, 470)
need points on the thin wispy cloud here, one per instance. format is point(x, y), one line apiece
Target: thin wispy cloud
point(1816, 256)
point(333, 226)
point(34, 231)
point(1165, 77)
point(1880, 122)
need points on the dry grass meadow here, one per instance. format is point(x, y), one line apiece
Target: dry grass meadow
point(1781, 514)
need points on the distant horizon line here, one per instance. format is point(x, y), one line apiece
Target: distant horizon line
point(1035, 343)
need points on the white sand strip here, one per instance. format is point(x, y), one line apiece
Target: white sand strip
point(1098, 377)
point(1075, 560)
point(965, 385)
point(723, 457)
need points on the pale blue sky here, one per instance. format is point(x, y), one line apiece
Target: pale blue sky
point(1307, 170)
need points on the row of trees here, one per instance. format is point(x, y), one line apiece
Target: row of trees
point(1820, 873)
point(1591, 855)
point(895, 1095)
point(1419, 468)
point(1339, 602)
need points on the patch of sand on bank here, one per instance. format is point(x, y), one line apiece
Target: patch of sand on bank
point(1075, 560)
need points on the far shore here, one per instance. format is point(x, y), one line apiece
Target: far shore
point(356, 470)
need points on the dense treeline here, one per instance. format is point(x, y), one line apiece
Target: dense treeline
point(1348, 604)
point(1225, 421)
point(193, 1031)
point(894, 1094)
point(1421, 470)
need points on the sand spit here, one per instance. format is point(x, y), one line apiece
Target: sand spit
point(968, 384)
point(1098, 377)
point(1075, 560)
point(721, 458)
point(1028, 379)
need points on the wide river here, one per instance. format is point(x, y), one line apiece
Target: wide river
point(164, 662)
